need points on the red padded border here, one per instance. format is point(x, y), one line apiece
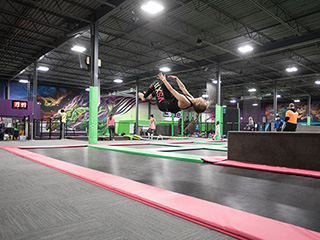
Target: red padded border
point(269, 168)
point(230, 221)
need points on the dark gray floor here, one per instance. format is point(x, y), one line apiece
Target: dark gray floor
point(288, 198)
point(37, 202)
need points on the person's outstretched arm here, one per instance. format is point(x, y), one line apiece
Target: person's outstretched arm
point(181, 85)
point(177, 95)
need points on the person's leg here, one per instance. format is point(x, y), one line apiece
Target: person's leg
point(152, 131)
point(110, 133)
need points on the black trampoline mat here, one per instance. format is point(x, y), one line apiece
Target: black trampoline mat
point(288, 198)
point(146, 146)
point(204, 152)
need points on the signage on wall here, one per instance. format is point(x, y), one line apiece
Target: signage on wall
point(19, 104)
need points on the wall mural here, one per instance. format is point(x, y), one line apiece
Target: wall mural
point(76, 106)
point(302, 109)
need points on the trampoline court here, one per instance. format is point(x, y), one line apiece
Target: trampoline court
point(182, 178)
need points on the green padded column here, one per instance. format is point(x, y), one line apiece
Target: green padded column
point(308, 120)
point(172, 124)
point(182, 123)
point(93, 114)
point(219, 117)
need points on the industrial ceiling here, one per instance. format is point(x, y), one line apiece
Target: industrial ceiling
point(192, 37)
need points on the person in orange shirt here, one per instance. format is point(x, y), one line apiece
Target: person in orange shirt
point(291, 119)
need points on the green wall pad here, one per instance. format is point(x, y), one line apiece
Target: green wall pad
point(146, 152)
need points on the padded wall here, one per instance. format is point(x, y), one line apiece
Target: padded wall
point(294, 150)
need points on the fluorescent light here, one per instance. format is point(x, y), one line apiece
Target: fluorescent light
point(42, 68)
point(233, 101)
point(291, 69)
point(152, 7)
point(296, 100)
point(205, 95)
point(165, 69)
point(255, 104)
point(87, 89)
point(214, 81)
point(23, 81)
point(40, 58)
point(245, 49)
point(118, 80)
point(278, 96)
point(317, 82)
point(224, 106)
point(78, 49)
point(252, 90)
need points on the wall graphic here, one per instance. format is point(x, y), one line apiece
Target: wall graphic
point(302, 109)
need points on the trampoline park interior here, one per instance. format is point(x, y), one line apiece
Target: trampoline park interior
point(248, 58)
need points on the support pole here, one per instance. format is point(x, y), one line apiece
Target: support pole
point(8, 90)
point(34, 99)
point(172, 124)
point(137, 107)
point(275, 93)
point(94, 94)
point(219, 85)
point(309, 111)
point(29, 87)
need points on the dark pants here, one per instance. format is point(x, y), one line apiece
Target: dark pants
point(290, 127)
point(111, 131)
point(162, 94)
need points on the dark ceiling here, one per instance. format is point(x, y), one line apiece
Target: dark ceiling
point(190, 36)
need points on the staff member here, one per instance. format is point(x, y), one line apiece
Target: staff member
point(291, 119)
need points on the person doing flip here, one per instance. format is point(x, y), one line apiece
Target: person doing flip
point(169, 100)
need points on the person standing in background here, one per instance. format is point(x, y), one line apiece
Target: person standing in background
point(63, 120)
point(2, 128)
point(110, 125)
point(152, 127)
point(291, 119)
point(217, 133)
point(278, 124)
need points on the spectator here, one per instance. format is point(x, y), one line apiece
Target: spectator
point(217, 133)
point(250, 124)
point(278, 124)
point(2, 128)
point(111, 126)
point(63, 120)
point(152, 127)
point(291, 119)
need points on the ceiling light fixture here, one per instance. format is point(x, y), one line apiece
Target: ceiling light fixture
point(152, 7)
point(252, 90)
point(317, 82)
point(118, 80)
point(214, 81)
point(23, 81)
point(199, 41)
point(205, 95)
point(43, 69)
point(255, 104)
point(291, 69)
point(233, 101)
point(165, 69)
point(245, 49)
point(87, 89)
point(278, 96)
point(296, 100)
point(224, 106)
point(78, 49)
